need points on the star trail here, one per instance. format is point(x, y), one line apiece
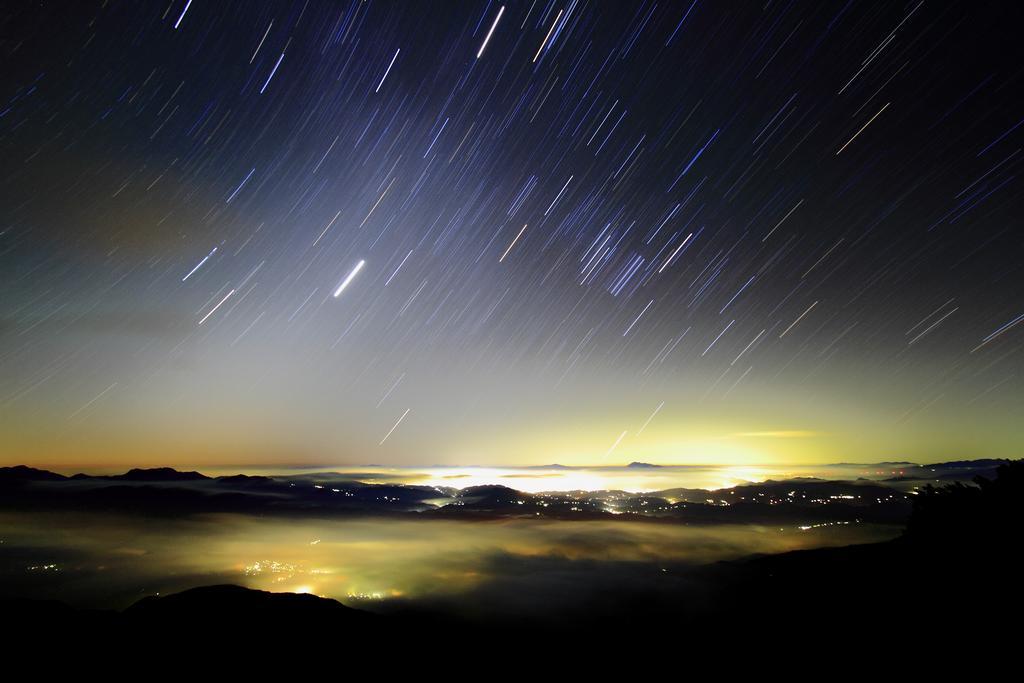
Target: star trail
point(479, 233)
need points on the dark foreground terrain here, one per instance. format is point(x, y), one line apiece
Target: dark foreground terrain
point(950, 584)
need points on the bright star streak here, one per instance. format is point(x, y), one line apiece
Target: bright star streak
point(1004, 328)
point(199, 265)
point(239, 188)
point(344, 284)
point(669, 259)
point(182, 15)
point(862, 128)
point(398, 268)
point(391, 431)
point(718, 337)
point(493, 26)
point(801, 317)
point(617, 442)
point(656, 410)
point(261, 42)
point(637, 319)
point(214, 309)
point(388, 70)
point(553, 25)
point(512, 245)
point(272, 72)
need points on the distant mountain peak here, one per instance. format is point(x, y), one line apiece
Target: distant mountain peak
point(26, 473)
point(158, 474)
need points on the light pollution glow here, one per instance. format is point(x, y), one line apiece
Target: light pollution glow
point(205, 422)
point(537, 479)
point(104, 560)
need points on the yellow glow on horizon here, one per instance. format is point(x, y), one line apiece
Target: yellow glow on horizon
point(530, 482)
point(736, 476)
point(588, 445)
point(777, 432)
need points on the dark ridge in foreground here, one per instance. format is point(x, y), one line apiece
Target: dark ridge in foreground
point(229, 602)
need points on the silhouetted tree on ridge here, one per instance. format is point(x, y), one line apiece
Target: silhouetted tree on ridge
point(988, 514)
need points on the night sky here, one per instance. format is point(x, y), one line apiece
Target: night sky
point(480, 233)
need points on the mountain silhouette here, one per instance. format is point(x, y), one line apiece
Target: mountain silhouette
point(19, 473)
point(233, 603)
point(154, 474)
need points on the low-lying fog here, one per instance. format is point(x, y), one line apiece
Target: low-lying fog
point(112, 561)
